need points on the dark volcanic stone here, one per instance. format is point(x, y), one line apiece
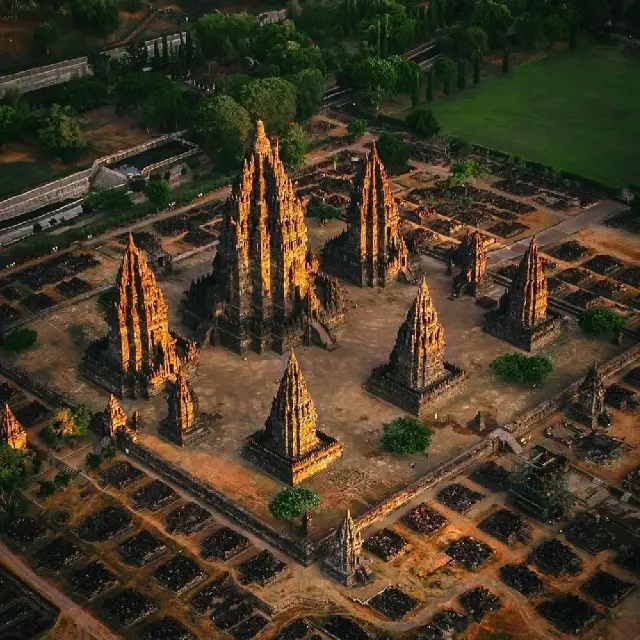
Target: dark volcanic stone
point(250, 627)
point(568, 613)
point(154, 496)
point(569, 251)
point(8, 313)
point(621, 398)
point(215, 593)
point(261, 569)
point(345, 628)
point(10, 394)
point(469, 552)
point(188, 519)
point(32, 414)
point(296, 630)
point(167, 628)
point(629, 558)
point(633, 378)
point(581, 298)
point(429, 632)
point(458, 498)
point(630, 276)
point(11, 293)
point(128, 607)
point(393, 603)
point(506, 229)
point(122, 474)
point(508, 271)
point(607, 588)
point(141, 548)
point(480, 601)
point(104, 525)
point(425, 520)
point(507, 526)
point(92, 580)
point(451, 620)
point(555, 286)
point(603, 264)
point(223, 544)
point(522, 579)
point(179, 574)
point(556, 559)
point(28, 626)
point(589, 532)
point(386, 544)
point(574, 275)
point(38, 302)
point(58, 554)
point(230, 612)
point(25, 531)
point(600, 448)
point(491, 476)
point(74, 287)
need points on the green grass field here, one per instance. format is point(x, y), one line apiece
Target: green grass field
point(577, 112)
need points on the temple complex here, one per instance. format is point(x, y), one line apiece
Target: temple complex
point(290, 447)
point(11, 432)
point(114, 418)
point(139, 354)
point(522, 317)
point(472, 258)
point(183, 425)
point(371, 252)
point(417, 374)
point(343, 562)
point(265, 290)
point(590, 405)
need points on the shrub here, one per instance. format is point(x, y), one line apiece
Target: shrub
point(93, 460)
point(46, 489)
point(293, 503)
point(393, 151)
point(357, 128)
point(324, 212)
point(19, 339)
point(599, 322)
point(405, 435)
point(516, 367)
point(62, 479)
point(109, 453)
point(49, 437)
point(423, 122)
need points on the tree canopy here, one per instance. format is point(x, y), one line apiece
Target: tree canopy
point(158, 192)
point(393, 151)
point(61, 132)
point(310, 87)
point(405, 435)
point(516, 367)
point(19, 339)
point(293, 502)
point(423, 121)
point(272, 100)
point(599, 322)
point(293, 146)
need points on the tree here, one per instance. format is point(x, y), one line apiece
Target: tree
point(272, 100)
point(93, 460)
point(472, 40)
point(165, 52)
point(462, 74)
point(407, 75)
point(293, 146)
point(599, 322)
point(61, 132)
point(375, 80)
point(112, 200)
point(462, 173)
point(393, 151)
point(82, 416)
point(516, 367)
point(494, 18)
point(310, 91)
point(15, 466)
point(505, 61)
point(223, 126)
point(477, 62)
point(357, 128)
point(431, 81)
point(45, 36)
point(415, 90)
point(19, 339)
point(293, 502)
point(323, 212)
point(137, 55)
point(9, 120)
point(100, 16)
point(405, 435)
point(445, 70)
point(158, 192)
point(46, 489)
point(61, 479)
point(423, 121)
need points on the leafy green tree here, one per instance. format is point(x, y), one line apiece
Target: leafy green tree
point(158, 192)
point(93, 460)
point(165, 52)
point(45, 36)
point(407, 74)
point(462, 173)
point(393, 151)
point(462, 74)
point(61, 132)
point(494, 18)
point(405, 435)
point(61, 479)
point(310, 91)
point(137, 55)
point(376, 80)
point(323, 212)
point(100, 16)
point(445, 71)
point(423, 121)
point(223, 127)
point(599, 322)
point(217, 32)
point(19, 339)
point(112, 200)
point(516, 367)
point(357, 128)
point(431, 82)
point(293, 146)
point(293, 502)
point(473, 40)
point(82, 416)
point(15, 466)
point(272, 100)
point(46, 489)
point(9, 124)
point(109, 453)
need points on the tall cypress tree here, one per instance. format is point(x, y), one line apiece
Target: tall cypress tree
point(378, 39)
point(156, 62)
point(462, 74)
point(385, 37)
point(431, 79)
point(477, 60)
point(506, 63)
point(189, 47)
point(166, 58)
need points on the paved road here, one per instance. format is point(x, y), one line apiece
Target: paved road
point(84, 620)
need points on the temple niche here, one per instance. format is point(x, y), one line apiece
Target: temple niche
point(344, 560)
point(590, 408)
point(265, 290)
point(139, 354)
point(417, 375)
point(522, 317)
point(12, 434)
point(291, 447)
point(472, 258)
point(371, 252)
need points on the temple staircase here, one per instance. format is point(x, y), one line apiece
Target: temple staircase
point(322, 335)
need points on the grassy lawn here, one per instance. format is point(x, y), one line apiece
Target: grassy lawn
point(576, 112)
point(22, 176)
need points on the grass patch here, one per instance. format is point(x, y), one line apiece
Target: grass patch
point(575, 112)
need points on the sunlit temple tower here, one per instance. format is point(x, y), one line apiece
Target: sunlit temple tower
point(139, 354)
point(343, 562)
point(590, 405)
point(11, 432)
point(291, 447)
point(472, 258)
point(184, 424)
point(523, 318)
point(371, 252)
point(114, 418)
point(265, 291)
point(417, 375)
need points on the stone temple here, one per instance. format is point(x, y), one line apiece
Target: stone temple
point(291, 447)
point(371, 252)
point(12, 433)
point(265, 290)
point(522, 317)
point(139, 354)
point(590, 405)
point(417, 375)
point(472, 258)
point(184, 424)
point(343, 563)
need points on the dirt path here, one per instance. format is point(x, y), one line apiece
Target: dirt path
point(82, 619)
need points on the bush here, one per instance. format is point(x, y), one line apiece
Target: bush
point(405, 435)
point(324, 212)
point(357, 128)
point(393, 151)
point(599, 322)
point(293, 503)
point(49, 437)
point(93, 460)
point(516, 367)
point(423, 122)
point(109, 453)
point(46, 489)
point(158, 192)
point(62, 479)
point(19, 339)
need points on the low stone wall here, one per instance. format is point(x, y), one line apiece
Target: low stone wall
point(47, 392)
point(169, 161)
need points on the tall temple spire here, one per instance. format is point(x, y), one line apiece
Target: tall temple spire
point(343, 561)
point(472, 257)
point(528, 291)
point(371, 251)
point(590, 405)
point(114, 417)
point(11, 432)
